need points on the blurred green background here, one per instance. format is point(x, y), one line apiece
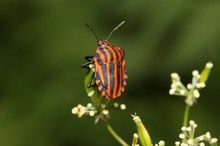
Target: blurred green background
point(42, 45)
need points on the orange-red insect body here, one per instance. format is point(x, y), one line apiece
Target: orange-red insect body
point(110, 72)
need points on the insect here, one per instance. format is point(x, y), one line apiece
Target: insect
point(109, 63)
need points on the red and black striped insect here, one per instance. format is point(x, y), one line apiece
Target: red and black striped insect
point(109, 63)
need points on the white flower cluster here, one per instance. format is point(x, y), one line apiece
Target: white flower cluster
point(191, 91)
point(81, 110)
point(92, 110)
point(188, 137)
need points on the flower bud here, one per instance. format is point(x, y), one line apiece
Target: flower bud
point(142, 132)
point(206, 71)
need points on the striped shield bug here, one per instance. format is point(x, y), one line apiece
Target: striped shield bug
point(109, 63)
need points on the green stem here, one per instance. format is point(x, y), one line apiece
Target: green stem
point(186, 115)
point(115, 135)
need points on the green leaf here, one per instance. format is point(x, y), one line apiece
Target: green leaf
point(89, 90)
point(93, 90)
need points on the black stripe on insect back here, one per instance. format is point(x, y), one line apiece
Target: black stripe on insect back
point(105, 75)
point(118, 63)
point(103, 52)
point(103, 71)
point(116, 52)
point(111, 68)
point(110, 53)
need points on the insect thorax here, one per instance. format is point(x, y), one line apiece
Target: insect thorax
point(103, 43)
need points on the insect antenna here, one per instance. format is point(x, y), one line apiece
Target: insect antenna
point(115, 29)
point(92, 30)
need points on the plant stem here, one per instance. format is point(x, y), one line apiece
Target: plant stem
point(115, 135)
point(186, 115)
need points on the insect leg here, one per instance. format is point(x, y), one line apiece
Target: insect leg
point(90, 80)
point(90, 61)
point(86, 65)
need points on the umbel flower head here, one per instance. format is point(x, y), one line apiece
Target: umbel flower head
point(100, 112)
point(188, 137)
point(191, 91)
point(81, 110)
